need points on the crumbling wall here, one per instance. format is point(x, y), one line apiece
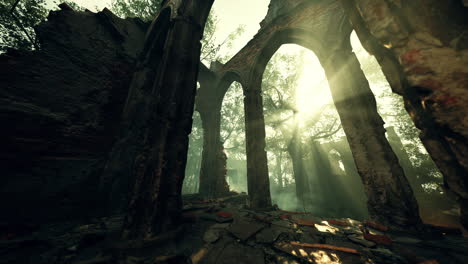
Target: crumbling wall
point(60, 107)
point(422, 47)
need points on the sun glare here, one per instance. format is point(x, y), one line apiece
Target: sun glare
point(312, 90)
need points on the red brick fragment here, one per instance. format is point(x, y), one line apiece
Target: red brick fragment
point(224, 214)
point(378, 239)
point(304, 222)
point(376, 226)
point(337, 222)
point(285, 216)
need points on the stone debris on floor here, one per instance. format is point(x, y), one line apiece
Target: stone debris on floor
point(222, 231)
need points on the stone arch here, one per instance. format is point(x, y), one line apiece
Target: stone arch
point(257, 168)
point(213, 166)
point(298, 36)
point(226, 81)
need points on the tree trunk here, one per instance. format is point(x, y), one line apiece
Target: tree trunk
point(390, 198)
point(279, 171)
point(406, 164)
point(158, 119)
point(353, 180)
point(213, 168)
point(258, 183)
point(300, 175)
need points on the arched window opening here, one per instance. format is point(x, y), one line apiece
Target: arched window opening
point(301, 121)
point(233, 137)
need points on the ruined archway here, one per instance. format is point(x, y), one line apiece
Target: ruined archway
point(302, 122)
point(330, 41)
point(233, 138)
point(209, 104)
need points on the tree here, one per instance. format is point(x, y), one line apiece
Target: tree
point(17, 19)
point(144, 9)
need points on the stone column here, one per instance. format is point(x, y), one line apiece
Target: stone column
point(258, 183)
point(422, 49)
point(213, 166)
point(390, 198)
point(158, 119)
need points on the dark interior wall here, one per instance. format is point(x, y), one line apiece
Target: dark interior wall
point(61, 109)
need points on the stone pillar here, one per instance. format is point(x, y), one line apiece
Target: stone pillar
point(390, 198)
point(258, 183)
point(422, 49)
point(213, 166)
point(158, 118)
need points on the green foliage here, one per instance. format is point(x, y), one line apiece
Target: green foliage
point(232, 122)
point(16, 28)
point(144, 9)
point(148, 9)
point(211, 47)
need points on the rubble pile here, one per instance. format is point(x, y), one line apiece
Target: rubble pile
point(224, 231)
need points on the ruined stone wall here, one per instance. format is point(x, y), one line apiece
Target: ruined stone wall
point(60, 108)
point(422, 48)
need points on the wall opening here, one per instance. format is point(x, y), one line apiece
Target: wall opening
point(302, 125)
point(233, 137)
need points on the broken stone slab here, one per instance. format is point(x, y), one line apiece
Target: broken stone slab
point(235, 253)
point(268, 235)
point(244, 229)
point(361, 241)
point(214, 232)
point(308, 237)
point(283, 223)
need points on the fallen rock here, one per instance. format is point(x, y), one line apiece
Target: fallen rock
point(214, 232)
point(211, 235)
